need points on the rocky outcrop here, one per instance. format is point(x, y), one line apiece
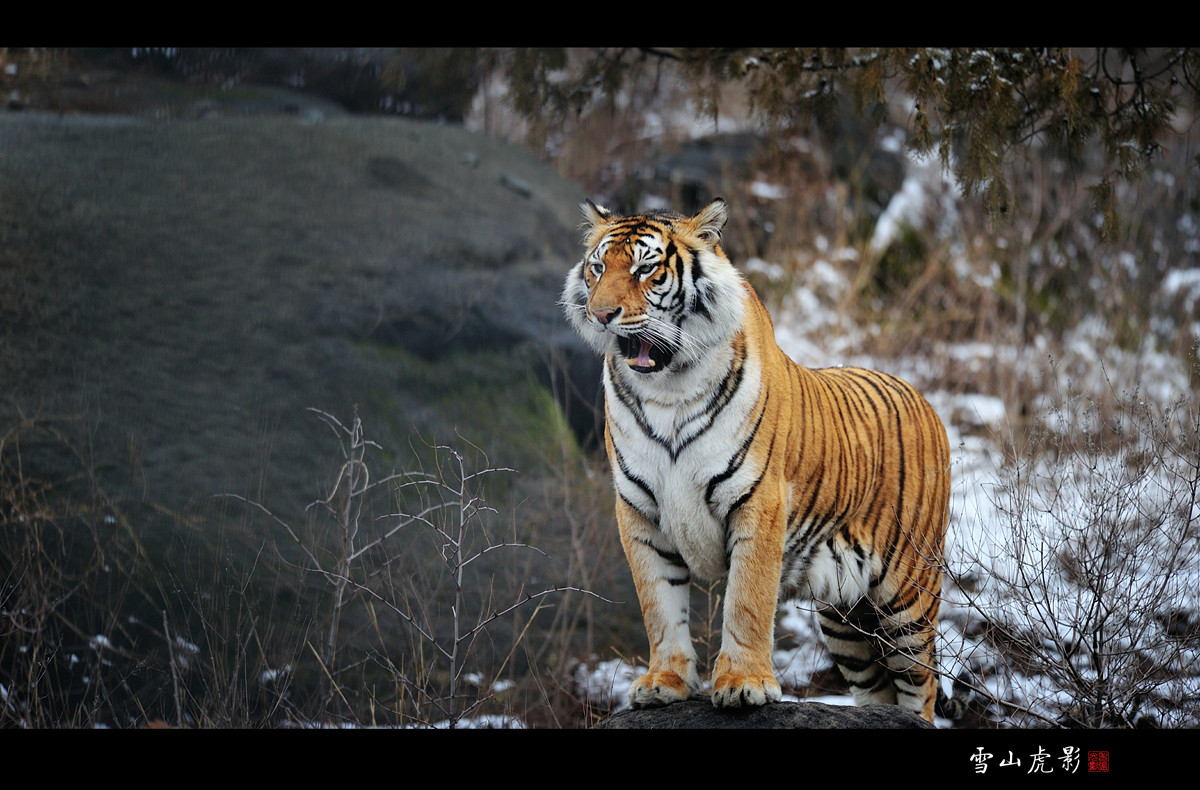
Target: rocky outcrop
point(699, 714)
point(184, 290)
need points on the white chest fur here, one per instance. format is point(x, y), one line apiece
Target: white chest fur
point(680, 441)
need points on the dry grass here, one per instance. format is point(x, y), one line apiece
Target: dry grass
point(399, 602)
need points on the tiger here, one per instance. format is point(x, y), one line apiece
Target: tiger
point(732, 462)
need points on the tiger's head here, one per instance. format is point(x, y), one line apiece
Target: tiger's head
point(654, 288)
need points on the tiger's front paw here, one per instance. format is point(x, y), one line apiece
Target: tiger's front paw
point(745, 691)
point(655, 689)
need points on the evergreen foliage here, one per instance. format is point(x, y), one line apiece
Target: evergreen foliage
point(974, 108)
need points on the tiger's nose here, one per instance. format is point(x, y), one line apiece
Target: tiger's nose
point(605, 314)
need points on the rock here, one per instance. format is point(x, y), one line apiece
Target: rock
point(186, 290)
point(699, 714)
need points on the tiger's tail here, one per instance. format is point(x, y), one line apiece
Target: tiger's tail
point(954, 705)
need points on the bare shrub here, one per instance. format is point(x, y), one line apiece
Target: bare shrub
point(369, 544)
point(382, 607)
point(1082, 596)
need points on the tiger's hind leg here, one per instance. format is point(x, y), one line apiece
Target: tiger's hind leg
point(884, 659)
point(909, 653)
point(849, 641)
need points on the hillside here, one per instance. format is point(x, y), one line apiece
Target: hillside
point(178, 294)
point(203, 291)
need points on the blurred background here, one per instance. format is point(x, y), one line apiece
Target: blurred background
point(293, 433)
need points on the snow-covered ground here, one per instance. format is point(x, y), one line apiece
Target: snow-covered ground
point(1047, 486)
point(1079, 560)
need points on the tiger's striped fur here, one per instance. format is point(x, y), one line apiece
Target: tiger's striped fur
point(730, 460)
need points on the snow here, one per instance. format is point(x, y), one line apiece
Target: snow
point(1184, 283)
point(926, 193)
point(1012, 511)
point(1050, 513)
point(767, 191)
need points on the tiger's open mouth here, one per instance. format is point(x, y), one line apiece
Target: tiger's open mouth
point(644, 356)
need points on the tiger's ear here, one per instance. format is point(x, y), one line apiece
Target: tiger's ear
point(709, 221)
point(593, 216)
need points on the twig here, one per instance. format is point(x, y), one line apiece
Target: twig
point(174, 670)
